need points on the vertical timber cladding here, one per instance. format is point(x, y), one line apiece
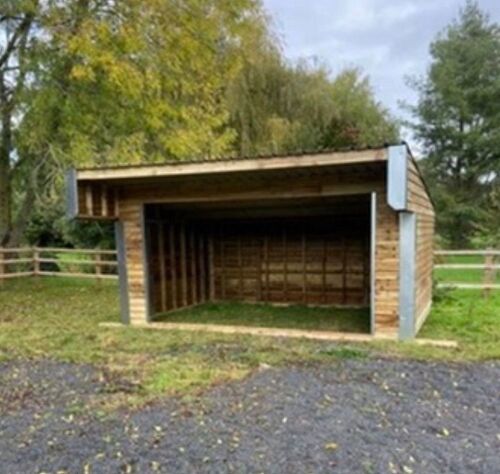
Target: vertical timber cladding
point(179, 268)
point(318, 261)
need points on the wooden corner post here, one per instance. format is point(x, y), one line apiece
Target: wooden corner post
point(132, 263)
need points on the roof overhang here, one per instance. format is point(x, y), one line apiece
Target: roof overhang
point(223, 166)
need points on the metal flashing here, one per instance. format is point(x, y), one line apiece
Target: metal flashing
point(373, 249)
point(407, 272)
point(397, 177)
point(71, 194)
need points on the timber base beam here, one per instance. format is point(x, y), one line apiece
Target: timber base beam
point(279, 332)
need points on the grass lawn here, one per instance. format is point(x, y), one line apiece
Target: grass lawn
point(295, 316)
point(464, 316)
point(58, 318)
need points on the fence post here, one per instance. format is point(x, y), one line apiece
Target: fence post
point(98, 267)
point(489, 271)
point(36, 261)
point(2, 266)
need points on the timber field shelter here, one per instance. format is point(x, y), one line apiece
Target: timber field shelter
point(351, 228)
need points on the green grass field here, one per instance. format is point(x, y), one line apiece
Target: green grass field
point(59, 318)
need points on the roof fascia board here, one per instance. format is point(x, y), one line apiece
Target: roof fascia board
point(228, 166)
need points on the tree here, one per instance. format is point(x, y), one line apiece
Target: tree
point(101, 81)
point(16, 21)
point(458, 123)
point(278, 107)
point(98, 82)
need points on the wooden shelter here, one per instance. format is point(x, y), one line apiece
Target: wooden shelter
point(343, 228)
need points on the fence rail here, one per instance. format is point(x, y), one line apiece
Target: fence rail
point(102, 264)
point(52, 261)
point(489, 267)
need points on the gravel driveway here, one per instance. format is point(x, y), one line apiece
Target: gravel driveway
point(356, 416)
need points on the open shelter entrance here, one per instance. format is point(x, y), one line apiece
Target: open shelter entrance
point(308, 252)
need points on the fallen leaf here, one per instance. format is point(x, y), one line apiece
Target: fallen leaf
point(331, 446)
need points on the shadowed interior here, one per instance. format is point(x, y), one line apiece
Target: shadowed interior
point(301, 252)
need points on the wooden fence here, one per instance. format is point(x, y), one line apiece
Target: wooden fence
point(50, 261)
point(102, 264)
point(488, 268)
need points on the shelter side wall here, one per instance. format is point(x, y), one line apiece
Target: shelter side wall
point(132, 219)
point(386, 269)
point(420, 203)
point(179, 255)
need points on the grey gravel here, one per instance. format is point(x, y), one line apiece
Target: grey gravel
point(355, 416)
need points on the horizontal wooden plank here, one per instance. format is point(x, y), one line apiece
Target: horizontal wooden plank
point(82, 251)
point(467, 252)
point(11, 261)
point(79, 275)
point(95, 263)
point(469, 286)
point(467, 266)
point(15, 275)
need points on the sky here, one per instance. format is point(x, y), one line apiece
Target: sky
point(388, 39)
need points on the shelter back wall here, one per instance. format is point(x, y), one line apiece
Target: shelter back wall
point(314, 260)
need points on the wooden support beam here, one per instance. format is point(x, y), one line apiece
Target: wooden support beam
point(304, 267)
point(161, 256)
point(285, 266)
point(173, 264)
point(222, 265)
point(116, 201)
point(211, 268)
point(89, 208)
point(266, 266)
point(182, 238)
point(344, 270)
point(104, 201)
point(240, 268)
point(201, 260)
point(192, 254)
point(259, 273)
point(323, 272)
